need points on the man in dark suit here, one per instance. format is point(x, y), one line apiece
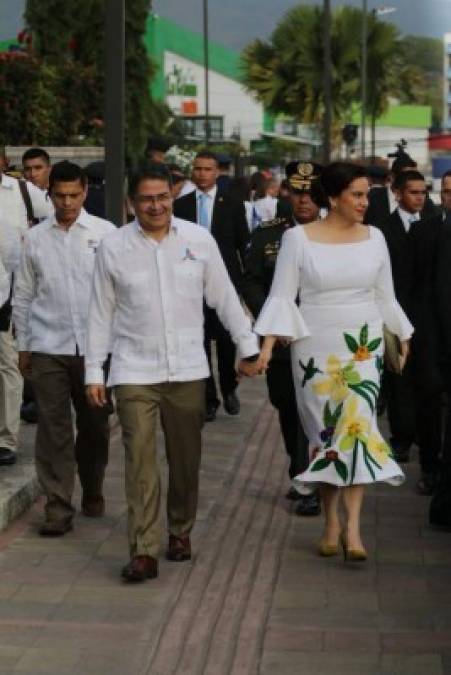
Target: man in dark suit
point(306, 198)
point(414, 397)
point(382, 200)
point(226, 220)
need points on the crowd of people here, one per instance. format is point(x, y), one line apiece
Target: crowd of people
point(283, 279)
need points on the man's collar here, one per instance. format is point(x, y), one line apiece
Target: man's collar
point(173, 228)
point(407, 216)
point(211, 193)
point(84, 220)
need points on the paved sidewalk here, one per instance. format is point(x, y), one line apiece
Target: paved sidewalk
point(256, 599)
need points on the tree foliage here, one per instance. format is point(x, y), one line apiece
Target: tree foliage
point(417, 73)
point(58, 84)
point(286, 73)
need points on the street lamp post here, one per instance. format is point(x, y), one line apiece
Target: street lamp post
point(206, 73)
point(114, 110)
point(327, 84)
point(377, 11)
point(364, 74)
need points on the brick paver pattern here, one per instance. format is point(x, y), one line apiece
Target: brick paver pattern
point(256, 599)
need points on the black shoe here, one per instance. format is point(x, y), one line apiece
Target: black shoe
point(7, 457)
point(55, 528)
point(427, 484)
point(309, 505)
point(29, 412)
point(232, 404)
point(210, 411)
point(293, 495)
point(401, 454)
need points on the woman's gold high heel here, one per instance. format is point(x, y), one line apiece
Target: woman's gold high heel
point(327, 550)
point(352, 554)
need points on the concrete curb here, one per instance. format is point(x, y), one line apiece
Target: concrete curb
point(17, 493)
point(19, 486)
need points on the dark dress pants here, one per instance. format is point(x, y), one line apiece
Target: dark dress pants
point(414, 412)
point(58, 382)
point(279, 379)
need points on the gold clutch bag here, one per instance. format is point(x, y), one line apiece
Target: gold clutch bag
point(392, 352)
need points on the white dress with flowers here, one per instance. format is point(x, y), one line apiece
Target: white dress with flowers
point(346, 295)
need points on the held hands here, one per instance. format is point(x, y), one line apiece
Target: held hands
point(258, 367)
point(96, 395)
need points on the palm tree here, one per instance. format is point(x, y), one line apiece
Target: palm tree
point(285, 73)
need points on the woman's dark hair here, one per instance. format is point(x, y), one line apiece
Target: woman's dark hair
point(338, 176)
point(67, 172)
point(148, 171)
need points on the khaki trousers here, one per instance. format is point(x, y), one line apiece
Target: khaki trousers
point(58, 381)
point(11, 386)
point(181, 407)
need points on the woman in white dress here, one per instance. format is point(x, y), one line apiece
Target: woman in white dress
point(340, 270)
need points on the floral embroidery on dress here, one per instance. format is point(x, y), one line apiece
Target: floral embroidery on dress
point(330, 420)
point(362, 348)
point(337, 384)
point(332, 457)
point(310, 370)
point(353, 428)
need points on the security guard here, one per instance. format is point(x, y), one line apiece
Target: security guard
point(306, 199)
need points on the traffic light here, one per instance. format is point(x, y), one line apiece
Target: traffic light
point(349, 133)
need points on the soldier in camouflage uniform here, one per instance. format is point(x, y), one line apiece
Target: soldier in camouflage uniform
point(306, 199)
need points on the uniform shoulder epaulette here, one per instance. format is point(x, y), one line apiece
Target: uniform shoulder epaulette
point(14, 174)
point(275, 222)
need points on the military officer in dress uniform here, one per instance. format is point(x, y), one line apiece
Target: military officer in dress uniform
point(306, 200)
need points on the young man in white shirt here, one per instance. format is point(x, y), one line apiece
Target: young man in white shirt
point(36, 167)
point(50, 307)
point(150, 282)
point(14, 222)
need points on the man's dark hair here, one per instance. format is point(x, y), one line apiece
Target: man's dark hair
point(402, 162)
point(177, 173)
point(207, 154)
point(148, 171)
point(159, 143)
point(404, 177)
point(338, 176)
point(66, 172)
point(36, 153)
point(447, 174)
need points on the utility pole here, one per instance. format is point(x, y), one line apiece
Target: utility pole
point(327, 83)
point(114, 110)
point(364, 74)
point(206, 74)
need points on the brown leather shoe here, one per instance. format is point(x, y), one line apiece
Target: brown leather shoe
point(93, 507)
point(179, 548)
point(55, 528)
point(140, 568)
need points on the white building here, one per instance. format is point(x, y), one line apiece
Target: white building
point(180, 82)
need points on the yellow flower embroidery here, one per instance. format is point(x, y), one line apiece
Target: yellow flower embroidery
point(351, 426)
point(379, 448)
point(336, 385)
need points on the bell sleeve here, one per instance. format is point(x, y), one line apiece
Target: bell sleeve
point(391, 311)
point(280, 314)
